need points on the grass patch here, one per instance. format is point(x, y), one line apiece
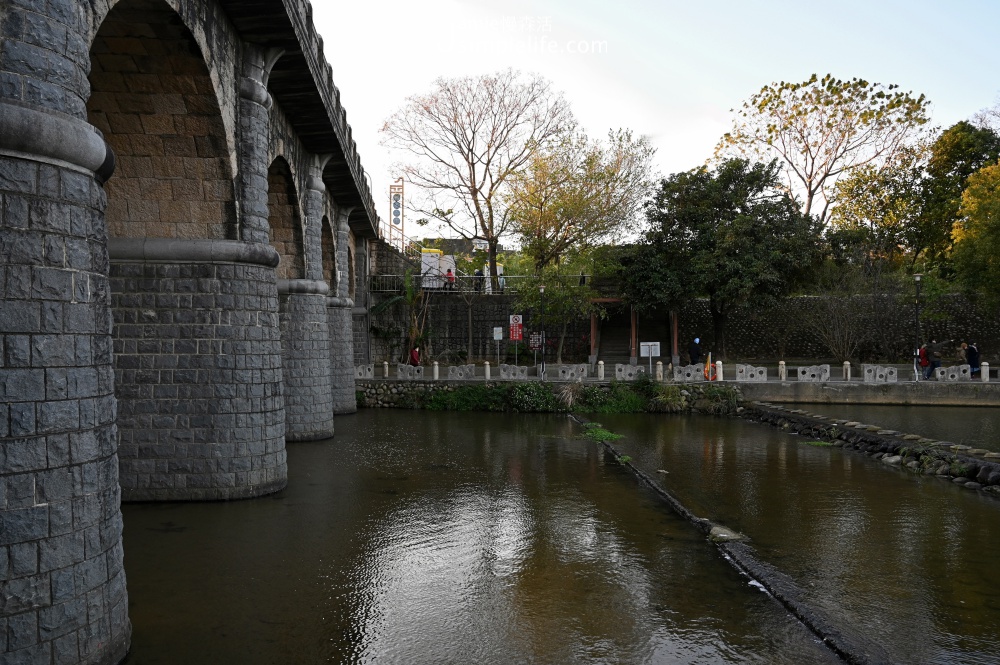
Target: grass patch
point(595, 432)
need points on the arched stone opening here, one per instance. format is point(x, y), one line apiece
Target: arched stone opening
point(153, 98)
point(329, 250)
point(196, 348)
point(284, 220)
point(303, 317)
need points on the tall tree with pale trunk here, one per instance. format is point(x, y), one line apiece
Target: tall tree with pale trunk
point(464, 141)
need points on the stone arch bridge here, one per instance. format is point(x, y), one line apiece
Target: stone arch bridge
point(183, 222)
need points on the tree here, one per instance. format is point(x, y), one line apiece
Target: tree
point(465, 140)
point(878, 208)
point(580, 193)
point(958, 152)
point(565, 300)
point(977, 234)
point(729, 234)
point(415, 302)
point(822, 128)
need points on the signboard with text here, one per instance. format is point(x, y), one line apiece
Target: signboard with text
point(535, 341)
point(516, 328)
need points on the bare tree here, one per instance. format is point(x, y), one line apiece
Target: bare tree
point(464, 141)
point(824, 127)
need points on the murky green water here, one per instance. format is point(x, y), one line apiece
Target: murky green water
point(907, 561)
point(477, 538)
point(973, 426)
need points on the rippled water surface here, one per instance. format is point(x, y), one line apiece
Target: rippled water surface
point(417, 537)
point(907, 562)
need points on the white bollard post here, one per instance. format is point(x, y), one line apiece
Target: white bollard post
point(984, 371)
point(486, 367)
point(659, 370)
point(437, 372)
point(385, 369)
point(847, 370)
point(782, 371)
point(718, 370)
point(600, 370)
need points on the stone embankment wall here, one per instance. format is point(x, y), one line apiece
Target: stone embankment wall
point(389, 394)
point(970, 467)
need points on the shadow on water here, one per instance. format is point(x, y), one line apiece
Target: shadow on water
point(908, 561)
point(419, 537)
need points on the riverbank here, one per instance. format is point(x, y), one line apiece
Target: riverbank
point(972, 468)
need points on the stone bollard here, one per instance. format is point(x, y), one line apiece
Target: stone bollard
point(847, 370)
point(718, 370)
point(600, 370)
point(486, 368)
point(385, 369)
point(659, 370)
point(436, 371)
point(782, 371)
point(984, 371)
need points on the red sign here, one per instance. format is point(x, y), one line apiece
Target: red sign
point(516, 327)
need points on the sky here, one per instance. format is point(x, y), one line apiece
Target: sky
point(669, 70)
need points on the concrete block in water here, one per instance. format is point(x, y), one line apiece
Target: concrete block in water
point(751, 373)
point(628, 372)
point(879, 374)
point(461, 372)
point(814, 373)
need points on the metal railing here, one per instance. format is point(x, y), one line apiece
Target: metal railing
point(462, 284)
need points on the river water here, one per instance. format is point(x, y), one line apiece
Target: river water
point(905, 561)
point(420, 537)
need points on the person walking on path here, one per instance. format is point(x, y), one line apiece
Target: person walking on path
point(449, 280)
point(695, 351)
point(925, 361)
point(935, 351)
point(479, 280)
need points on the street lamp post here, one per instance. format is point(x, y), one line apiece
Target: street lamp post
point(541, 293)
point(916, 327)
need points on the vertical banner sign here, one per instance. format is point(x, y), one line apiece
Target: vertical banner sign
point(396, 201)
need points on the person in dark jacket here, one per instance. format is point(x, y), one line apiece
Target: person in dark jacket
point(695, 351)
point(972, 357)
point(415, 356)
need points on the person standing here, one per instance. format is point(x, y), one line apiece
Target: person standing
point(479, 280)
point(415, 356)
point(934, 351)
point(695, 351)
point(972, 357)
point(925, 361)
point(449, 280)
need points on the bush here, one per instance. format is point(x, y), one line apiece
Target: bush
point(532, 397)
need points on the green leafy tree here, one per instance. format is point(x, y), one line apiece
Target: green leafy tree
point(580, 193)
point(977, 235)
point(730, 234)
point(464, 141)
point(822, 128)
point(960, 151)
point(877, 210)
point(564, 301)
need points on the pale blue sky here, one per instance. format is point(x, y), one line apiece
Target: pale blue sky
point(670, 70)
